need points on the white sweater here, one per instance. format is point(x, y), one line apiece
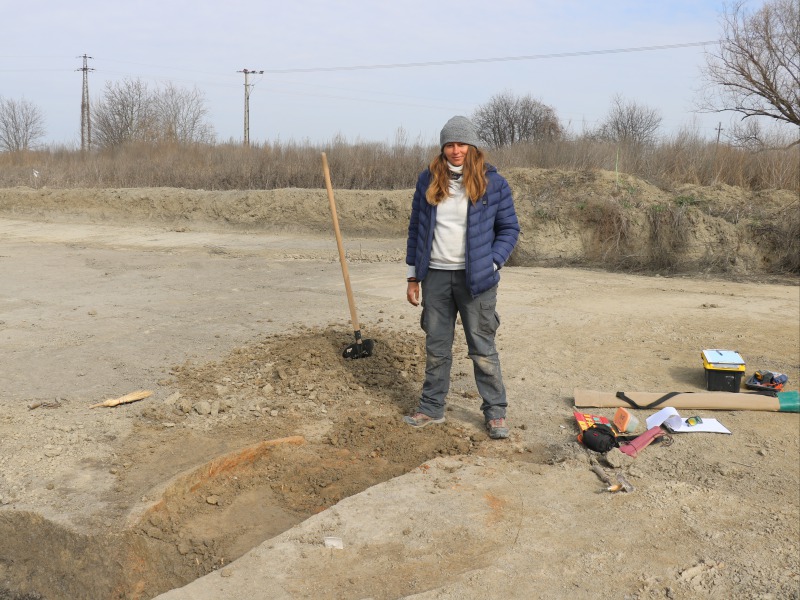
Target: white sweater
point(450, 233)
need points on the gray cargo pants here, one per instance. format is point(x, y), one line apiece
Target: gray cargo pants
point(445, 294)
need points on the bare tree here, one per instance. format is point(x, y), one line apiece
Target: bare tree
point(756, 135)
point(755, 71)
point(629, 122)
point(21, 125)
point(130, 111)
point(124, 114)
point(181, 115)
point(507, 119)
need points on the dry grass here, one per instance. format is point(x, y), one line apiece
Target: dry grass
point(679, 160)
point(610, 226)
point(363, 165)
point(668, 236)
point(218, 167)
point(779, 233)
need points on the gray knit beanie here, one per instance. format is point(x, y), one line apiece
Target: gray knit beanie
point(459, 129)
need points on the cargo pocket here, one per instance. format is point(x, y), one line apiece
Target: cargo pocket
point(490, 320)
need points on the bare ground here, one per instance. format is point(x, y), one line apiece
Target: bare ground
point(259, 436)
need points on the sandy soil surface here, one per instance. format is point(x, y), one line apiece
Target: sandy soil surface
point(261, 450)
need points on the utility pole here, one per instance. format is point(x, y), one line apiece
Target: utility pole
point(86, 117)
point(716, 150)
point(247, 87)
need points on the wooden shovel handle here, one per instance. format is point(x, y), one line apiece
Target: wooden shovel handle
point(345, 274)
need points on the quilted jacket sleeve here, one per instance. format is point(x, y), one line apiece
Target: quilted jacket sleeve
point(413, 241)
point(506, 226)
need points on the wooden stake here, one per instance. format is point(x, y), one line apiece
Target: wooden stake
point(132, 397)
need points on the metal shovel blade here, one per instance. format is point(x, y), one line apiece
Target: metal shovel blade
point(359, 349)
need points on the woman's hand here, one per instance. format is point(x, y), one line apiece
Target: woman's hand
point(412, 293)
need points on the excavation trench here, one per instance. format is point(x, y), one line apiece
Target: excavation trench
point(309, 429)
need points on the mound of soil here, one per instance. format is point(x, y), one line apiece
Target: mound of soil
point(589, 218)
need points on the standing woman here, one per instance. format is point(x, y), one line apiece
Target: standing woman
point(462, 230)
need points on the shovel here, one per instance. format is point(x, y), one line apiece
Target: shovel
point(361, 348)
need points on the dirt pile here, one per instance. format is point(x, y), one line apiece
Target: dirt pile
point(588, 218)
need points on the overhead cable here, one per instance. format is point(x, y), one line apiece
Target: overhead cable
point(466, 61)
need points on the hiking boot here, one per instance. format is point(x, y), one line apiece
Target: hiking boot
point(419, 419)
point(497, 428)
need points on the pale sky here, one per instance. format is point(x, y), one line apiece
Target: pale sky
point(205, 44)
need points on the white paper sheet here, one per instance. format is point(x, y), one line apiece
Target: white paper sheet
point(670, 419)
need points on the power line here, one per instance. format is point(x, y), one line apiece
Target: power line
point(466, 61)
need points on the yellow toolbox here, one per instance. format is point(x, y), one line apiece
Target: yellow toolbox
point(724, 370)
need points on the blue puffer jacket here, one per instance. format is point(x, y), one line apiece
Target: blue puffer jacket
point(492, 232)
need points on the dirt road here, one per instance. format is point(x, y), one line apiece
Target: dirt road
point(259, 436)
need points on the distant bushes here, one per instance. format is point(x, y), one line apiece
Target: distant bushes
point(686, 158)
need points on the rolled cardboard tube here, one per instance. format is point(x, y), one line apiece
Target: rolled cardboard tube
point(782, 402)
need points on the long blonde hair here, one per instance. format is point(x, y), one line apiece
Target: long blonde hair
point(473, 176)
